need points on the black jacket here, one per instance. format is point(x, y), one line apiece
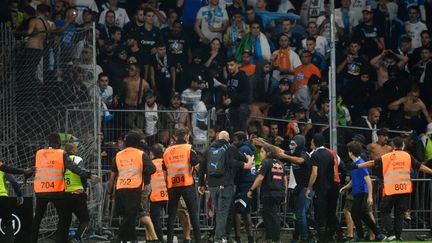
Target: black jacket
point(234, 161)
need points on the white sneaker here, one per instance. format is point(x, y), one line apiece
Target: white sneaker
point(390, 238)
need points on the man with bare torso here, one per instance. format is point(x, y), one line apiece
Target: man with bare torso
point(380, 147)
point(384, 60)
point(37, 33)
point(134, 88)
point(413, 109)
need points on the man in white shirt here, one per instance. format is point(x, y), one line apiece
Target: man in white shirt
point(322, 46)
point(106, 94)
point(414, 27)
point(121, 17)
point(211, 22)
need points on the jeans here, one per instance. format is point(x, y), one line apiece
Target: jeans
point(269, 213)
point(222, 200)
point(61, 207)
point(128, 205)
point(359, 213)
point(155, 213)
point(77, 204)
point(400, 204)
point(302, 205)
point(189, 195)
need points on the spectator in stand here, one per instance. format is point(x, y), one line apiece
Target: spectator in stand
point(191, 95)
point(251, 16)
point(159, 17)
point(382, 62)
point(236, 6)
point(381, 146)
point(317, 58)
point(404, 48)
point(59, 10)
point(121, 17)
point(349, 69)
point(248, 67)
point(294, 127)
point(116, 35)
point(89, 68)
point(422, 73)
point(167, 27)
point(235, 32)
point(116, 66)
point(162, 74)
point(370, 121)
point(199, 120)
point(322, 115)
point(179, 51)
point(295, 38)
point(371, 33)
point(283, 107)
point(178, 116)
point(134, 89)
point(305, 71)
point(414, 27)
point(82, 5)
point(237, 98)
point(211, 22)
point(322, 45)
point(257, 42)
point(415, 114)
point(106, 93)
point(108, 24)
point(426, 41)
point(67, 28)
point(135, 52)
point(284, 60)
point(345, 20)
point(152, 119)
point(88, 18)
point(216, 61)
point(275, 138)
point(308, 94)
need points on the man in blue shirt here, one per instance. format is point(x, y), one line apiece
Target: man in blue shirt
point(362, 191)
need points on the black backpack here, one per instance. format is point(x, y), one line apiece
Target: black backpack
point(216, 161)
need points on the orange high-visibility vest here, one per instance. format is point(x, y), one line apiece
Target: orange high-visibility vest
point(130, 168)
point(177, 162)
point(396, 167)
point(335, 166)
point(49, 176)
point(158, 185)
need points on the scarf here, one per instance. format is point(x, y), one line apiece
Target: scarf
point(259, 46)
point(283, 59)
point(374, 132)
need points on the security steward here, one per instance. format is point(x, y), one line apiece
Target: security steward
point(178, 161)
point(159, 192)
point(76, 192)
point(131, 165)
point(397, 186)
point(49, 186)
point(6, 207)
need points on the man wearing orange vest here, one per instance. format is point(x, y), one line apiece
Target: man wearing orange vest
point(131, 165)
point(397, 186)
point(159, 192)
point(49, 186)
point(178, 162)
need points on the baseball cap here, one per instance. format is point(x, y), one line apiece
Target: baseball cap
point(429, 129)
point(149, 93)
point(314, 79)
point(284, 81)
point(367, 8)
point(247, 51)
point(175, 95)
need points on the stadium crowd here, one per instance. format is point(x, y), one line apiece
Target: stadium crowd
point(262, 66)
